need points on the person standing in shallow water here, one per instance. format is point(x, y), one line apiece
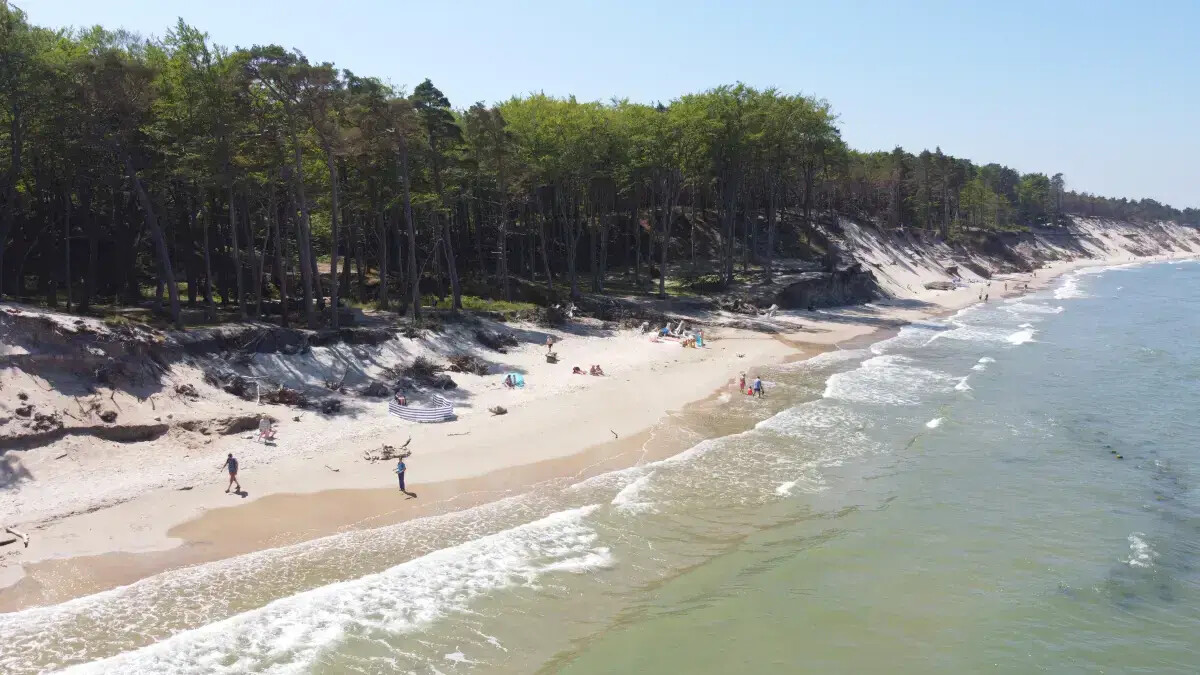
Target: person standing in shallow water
point(231, 463)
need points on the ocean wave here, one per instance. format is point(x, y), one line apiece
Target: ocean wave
point(912, 335)
point(1020, 307)
point(887, 380)
point(829, 358)
point(934, 423)
point(1069, 289)
point(962, 384)
point(627, 498)
point(785, 489)
point(982, 363)
point(1021, 337)
point(290, 633)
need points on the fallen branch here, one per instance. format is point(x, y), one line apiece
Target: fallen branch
point(465, 433)
point(332, 469)
point(613, 433)
point(16, 535)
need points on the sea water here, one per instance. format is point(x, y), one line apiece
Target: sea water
point(1010, 489)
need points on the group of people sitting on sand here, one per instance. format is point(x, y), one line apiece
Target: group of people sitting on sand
point(593, 370)
point(685, 338)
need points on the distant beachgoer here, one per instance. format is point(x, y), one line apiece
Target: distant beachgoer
point(742, 382)
point(549, 343)
point(399, 470)
point(577, 371)
point(699, 338)
point(666, 331)
point(266, 430)
point(985, 297)
point(231, 463)
point(401, 399)
point(596, 370)
point(508, 381)
point(758, 387)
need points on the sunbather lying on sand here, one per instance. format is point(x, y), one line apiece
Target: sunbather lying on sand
point(577, 371)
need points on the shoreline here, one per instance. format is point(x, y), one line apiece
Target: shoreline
point(281, 518)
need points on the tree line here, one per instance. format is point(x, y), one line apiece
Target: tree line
point(279, 186)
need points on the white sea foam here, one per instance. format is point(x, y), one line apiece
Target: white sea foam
point(962, 384)
point(289, 634)
point(1140, 552)
point(1069, 289)
point(828, 359)
point(627, 498)
point(887, 380)
point(1022, 336)
point(982, 364)
point(911, 335)
point(785, 489)
point(934, 423)
point(1020, 307)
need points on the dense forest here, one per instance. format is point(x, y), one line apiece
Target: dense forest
point(255, 179)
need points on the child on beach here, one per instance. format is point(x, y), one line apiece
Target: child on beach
point(399, 470)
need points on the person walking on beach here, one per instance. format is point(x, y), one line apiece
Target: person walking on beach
point(400, 468)
point(758, 388)
point(231, 463)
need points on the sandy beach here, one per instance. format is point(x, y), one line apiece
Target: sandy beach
point(104, 514)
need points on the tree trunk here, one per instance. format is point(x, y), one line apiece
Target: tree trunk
point(280, 270)
point(304, 236)
point(414, 281)
point(383, 262)
point(769, 257)
point(333, 236)
point(156, 233)
point(237, 257)
point(12, 206)
point(210, 308)
point(546, 255)
point(67, 244)
point(502, 233)
point(636, 228)
point(670, 197)
point(89, 281)
point(346, 254)
point(604, 236)
point(447, 236)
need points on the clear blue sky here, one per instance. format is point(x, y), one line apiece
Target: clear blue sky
point(1106, 92)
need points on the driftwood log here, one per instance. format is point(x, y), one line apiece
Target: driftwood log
point(13, 537)
point(388, 452)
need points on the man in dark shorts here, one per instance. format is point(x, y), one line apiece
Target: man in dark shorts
point(231, 464)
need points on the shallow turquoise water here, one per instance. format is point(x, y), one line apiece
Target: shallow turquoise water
point(946, 501)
